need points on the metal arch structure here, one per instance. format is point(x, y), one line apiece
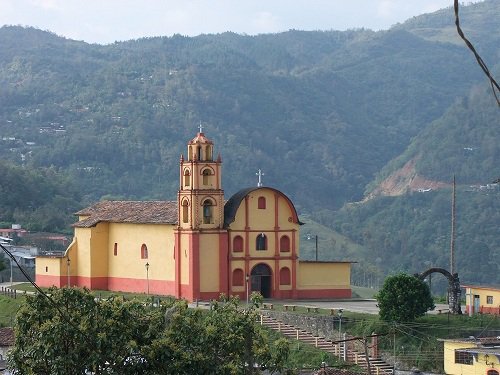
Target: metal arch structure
point(454, 291)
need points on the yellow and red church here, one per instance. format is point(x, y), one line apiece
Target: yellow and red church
point(196, 247)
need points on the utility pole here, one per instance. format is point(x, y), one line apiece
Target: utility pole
point(452, 239)
point(368, 366)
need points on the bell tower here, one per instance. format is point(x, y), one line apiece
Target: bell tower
point(200, 198)
point(201, 242)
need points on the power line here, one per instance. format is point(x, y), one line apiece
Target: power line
point(494, 85)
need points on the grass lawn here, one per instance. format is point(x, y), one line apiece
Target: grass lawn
point(8, 309)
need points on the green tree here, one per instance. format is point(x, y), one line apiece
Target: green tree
point(403, 298)
point(77, 333)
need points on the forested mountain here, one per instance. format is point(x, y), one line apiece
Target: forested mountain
point(327, 115)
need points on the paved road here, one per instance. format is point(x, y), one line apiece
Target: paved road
point(359, 306)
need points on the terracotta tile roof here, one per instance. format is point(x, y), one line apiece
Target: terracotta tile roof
point(6, 336)
point(137, 212)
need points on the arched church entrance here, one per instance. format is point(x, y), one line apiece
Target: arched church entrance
point(261, 280)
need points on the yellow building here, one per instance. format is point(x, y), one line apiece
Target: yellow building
point(198, 246)
point(482, 299)
point(473, 356)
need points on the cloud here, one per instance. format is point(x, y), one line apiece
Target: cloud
point(47, 4)
point(265, 22)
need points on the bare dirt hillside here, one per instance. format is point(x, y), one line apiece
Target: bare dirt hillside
point(405, 180)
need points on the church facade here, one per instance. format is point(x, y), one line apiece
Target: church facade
point(196, 247)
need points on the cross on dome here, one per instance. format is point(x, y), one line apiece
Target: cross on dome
point(201, 127)
point(260, 174)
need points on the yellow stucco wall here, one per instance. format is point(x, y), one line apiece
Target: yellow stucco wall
point(313, 275)
point(99, 253)
point(478, 367)
point(48, 266)
point(83, 236)
point(209, 263)
point(129, 238)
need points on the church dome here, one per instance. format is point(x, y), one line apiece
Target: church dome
point(200, 139)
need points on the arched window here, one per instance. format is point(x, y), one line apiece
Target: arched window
point(206, 176)
point(285, 276)
point(238, 244)
point(261, 242)
point(208, 152)
point(187, 178)
point(238, 277)
point(144, 251)
point(199, 156)
point(185, 211)
point(207, 212)
point(261, 204)
point(285, 243)
point(115, 249)
point(492, 372)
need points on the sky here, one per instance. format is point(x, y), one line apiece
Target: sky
point(107, 21)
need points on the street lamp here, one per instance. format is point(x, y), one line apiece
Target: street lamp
point(147, 276)
point(68, 263)
point(310, 237)
point(247, 279)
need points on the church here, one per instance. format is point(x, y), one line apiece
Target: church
point(196, 247)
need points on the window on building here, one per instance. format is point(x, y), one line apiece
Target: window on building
point(46, 269)
point(115, 249)
point(261, 242)
point(206, 176)
point(261, 203)
point(185, 211)
point(492, 372)
point(238, 244)
point(285, 243)
point(144, 251)
point(238, 277)
point(489, 300)
point(187, 178)
point(463, 358)
point(207, 212)
point(199, 153)
point(285, 276)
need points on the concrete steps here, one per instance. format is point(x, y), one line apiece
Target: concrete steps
point(377, 365)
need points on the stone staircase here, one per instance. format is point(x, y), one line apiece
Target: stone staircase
point(377, 365)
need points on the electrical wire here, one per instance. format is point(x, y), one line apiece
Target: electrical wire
point(494, 85)
point(48, 297)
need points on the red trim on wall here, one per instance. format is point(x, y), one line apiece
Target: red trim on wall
point(46, 281)
point(294, 264)
point(207, 296)
point(489, 310)
point(324, 293)
point(276, 212)
point(224, 281)
point(118, 284)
